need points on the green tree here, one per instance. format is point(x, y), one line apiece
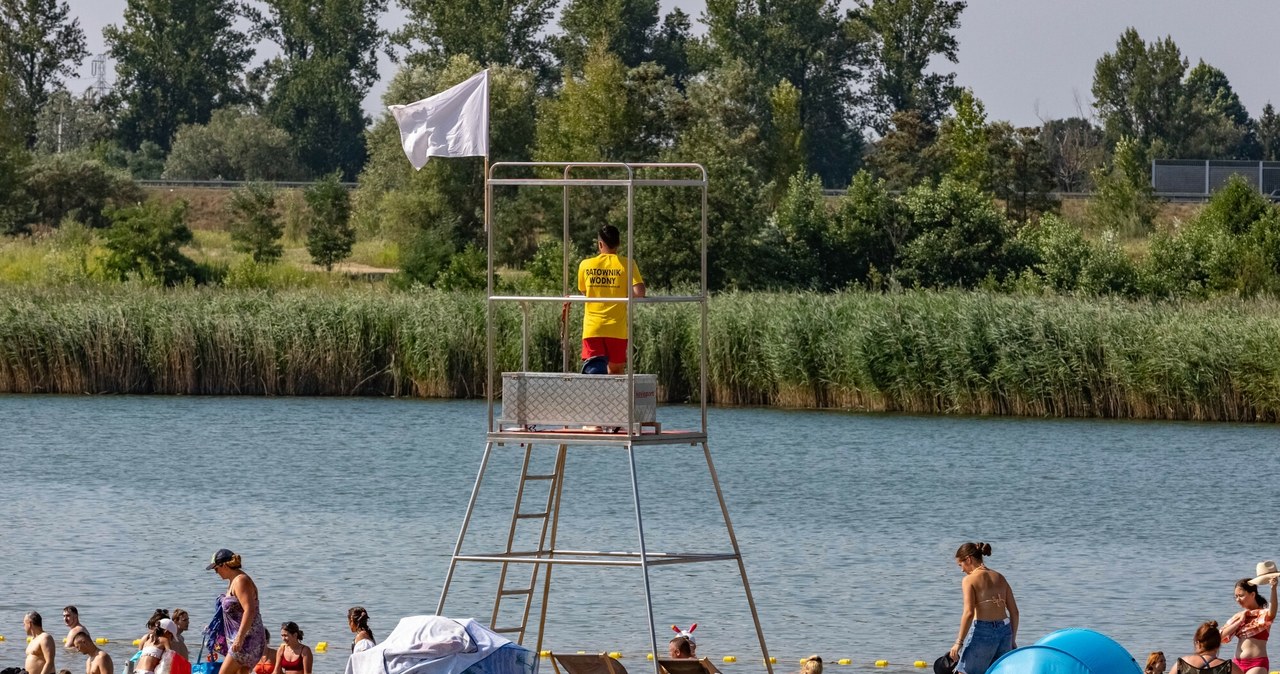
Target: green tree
point(255, 223)
point(803, 227)
point(488, 32)
point(330, 237)
point(673, 47)
point(906, 156)
point(147, 239)
point(176, 62)
point(1269, 133)
point(1020, 173)
point(14, 204)
point(903, 38)
point(1225, 130)
point(40, 43)
point(70, 123)
point(961, 239)
point(724, 132)
point(810, 44)
point(66, 186)
point(1123, 200)
point(235, 145)
point(965, 142)
point(1139, 94)
point(787, 137)
point(870, 228)
point(328, 62)
point(626, 28)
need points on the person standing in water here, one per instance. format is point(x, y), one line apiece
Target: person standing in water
point(98, 661)
point(1253, 624)
point(358, 623)
point(241, 621)
point(989, 623)
point(40, 652)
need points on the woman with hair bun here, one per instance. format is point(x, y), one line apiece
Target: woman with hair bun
point(358, 622)
point(989, 623)
point(1205, 660)
point(1253, 624)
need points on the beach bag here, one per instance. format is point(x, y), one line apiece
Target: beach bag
point(201, 666)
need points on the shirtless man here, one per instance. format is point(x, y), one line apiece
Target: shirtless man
point(40, 651)
point(99, 662)
point(71, 618)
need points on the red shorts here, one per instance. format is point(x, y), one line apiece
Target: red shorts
point(614, 348)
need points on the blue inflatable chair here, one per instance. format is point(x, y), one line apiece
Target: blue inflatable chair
point(1070, 651)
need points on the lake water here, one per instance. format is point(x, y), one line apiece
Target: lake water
point(848, 522)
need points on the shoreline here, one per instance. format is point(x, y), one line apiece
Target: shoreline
point(937, 353)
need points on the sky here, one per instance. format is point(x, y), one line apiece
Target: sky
point(1027, 60)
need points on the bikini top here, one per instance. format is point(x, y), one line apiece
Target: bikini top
point(1256, 625)
point(291, 665)
point(153, 652)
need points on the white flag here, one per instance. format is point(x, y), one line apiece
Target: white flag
point(453, 123)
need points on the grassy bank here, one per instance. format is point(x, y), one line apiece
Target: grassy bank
point(925, 352)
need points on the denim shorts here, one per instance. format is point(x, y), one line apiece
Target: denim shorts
point(986, 642)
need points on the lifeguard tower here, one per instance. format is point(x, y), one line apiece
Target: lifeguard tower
point(561, 410)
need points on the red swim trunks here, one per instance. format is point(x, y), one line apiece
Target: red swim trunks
point(613, 348)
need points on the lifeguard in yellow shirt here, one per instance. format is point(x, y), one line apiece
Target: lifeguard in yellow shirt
point(604, 325)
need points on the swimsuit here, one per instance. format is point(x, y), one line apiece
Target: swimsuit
point(291, 665)
point(264, 668)
point(1185, 667)
point(255, 638)
point(1246, 664)
point(1255, 625)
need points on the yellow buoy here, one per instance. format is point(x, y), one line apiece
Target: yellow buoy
point(921, 664)
point(649, 656)
point(137, 642)
point(102, 641)
point(882, 663)
point(28, 639)
point(773, 660)
point(322, 646)
point(582, 652)
point(730, 658)
point(1, 638)
point(844, 661)
point(615, 655)
point(545, 654)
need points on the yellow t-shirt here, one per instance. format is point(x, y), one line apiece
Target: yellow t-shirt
point(605, 276)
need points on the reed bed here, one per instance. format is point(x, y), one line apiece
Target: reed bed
point(925, 352)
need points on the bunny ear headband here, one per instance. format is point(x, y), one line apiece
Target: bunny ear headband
point(688, 634)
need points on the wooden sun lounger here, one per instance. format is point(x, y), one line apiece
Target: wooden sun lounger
point(586, 664)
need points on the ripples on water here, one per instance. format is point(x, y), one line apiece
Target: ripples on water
point(848, 522)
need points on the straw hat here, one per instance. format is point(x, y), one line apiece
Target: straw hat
point(1266, 571)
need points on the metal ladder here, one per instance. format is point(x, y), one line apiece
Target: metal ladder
point(548, 519)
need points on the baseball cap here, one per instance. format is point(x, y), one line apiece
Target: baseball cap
point(220, 557)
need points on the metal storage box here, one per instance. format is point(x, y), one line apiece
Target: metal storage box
point(556, 399)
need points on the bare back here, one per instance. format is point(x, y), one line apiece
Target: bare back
point(990, 594)
point(100, 663)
